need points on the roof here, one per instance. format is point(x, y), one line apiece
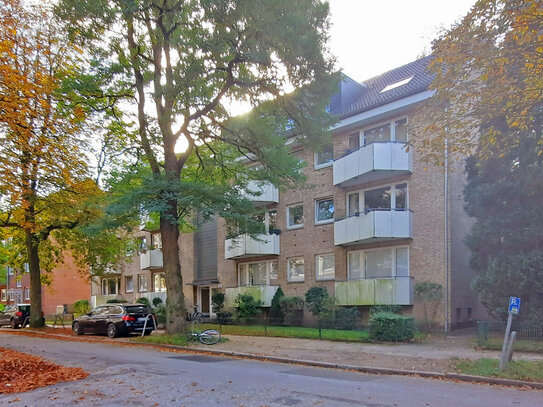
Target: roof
point(369, 94)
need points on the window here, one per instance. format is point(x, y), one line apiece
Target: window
point(295, 270)
point(129, 284)
point(260, 273)
point(324, 210)
point(470, 314)
point(110, 286)
point(156, 241)
point(392, 131)
point(4, 295)
point(378, 263)
point(19, 283)
point(396, 84)
point(353, 140)
point(159, 282)
point(384, 198)
point(142, 283)
point(324, 157)
point(325, 265)
point(27, 293)
point(295, 216)
point(27, 268)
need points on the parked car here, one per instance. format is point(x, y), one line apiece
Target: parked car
point(15, 315)
point(114, 320)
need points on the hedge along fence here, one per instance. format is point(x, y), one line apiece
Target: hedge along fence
point(390, 327)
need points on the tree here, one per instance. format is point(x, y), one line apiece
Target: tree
point(189, 60)
point(42, 169)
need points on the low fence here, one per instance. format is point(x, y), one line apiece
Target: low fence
point(526, 331)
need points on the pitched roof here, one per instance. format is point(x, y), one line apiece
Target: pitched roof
point(371, 94)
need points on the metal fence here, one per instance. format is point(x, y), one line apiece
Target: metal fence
point(526, 331)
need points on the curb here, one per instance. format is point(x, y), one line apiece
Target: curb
point(313, 363)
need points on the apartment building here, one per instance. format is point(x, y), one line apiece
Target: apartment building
point(373, 220)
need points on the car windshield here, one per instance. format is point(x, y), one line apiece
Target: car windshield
point(137, 309)
point(24, 308)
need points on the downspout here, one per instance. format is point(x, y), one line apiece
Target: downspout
point(447, 262)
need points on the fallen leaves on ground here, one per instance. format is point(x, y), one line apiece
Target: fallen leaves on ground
point(20, 372)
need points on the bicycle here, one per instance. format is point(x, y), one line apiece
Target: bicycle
point(207, 336)
point(195, 316)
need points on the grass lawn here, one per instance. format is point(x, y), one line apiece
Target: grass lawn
point(516, 370)
point(519, 346)
point(163, 339)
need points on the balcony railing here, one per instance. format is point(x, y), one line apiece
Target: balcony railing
point(374, 225)
point(151, 295)
point(268, 193)
point(151, 259)
point(375, 291)
point(376, 161)
point(245, 246)
point(264, 293)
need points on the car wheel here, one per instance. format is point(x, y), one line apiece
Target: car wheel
point(112, 331)
point(147, 332)
point(14, 324)
point(76, 328)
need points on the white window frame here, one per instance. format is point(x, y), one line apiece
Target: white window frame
point(325, 164)
point(325, 221)
point(362, 203)
point(106, 285)
point(140, 276)
point(288, 216)
point(269, 264)
point(126, 285)
point(296, 280)
point(317, 278)
point(4, 296)
point(161, 289)
point(362, 258)
point(27, 293)
point(391, 122)
point(18, 283)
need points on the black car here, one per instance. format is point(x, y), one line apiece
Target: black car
point(15, 315)
point(114, 320)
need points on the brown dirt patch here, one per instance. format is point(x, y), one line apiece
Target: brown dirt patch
point(20, 372)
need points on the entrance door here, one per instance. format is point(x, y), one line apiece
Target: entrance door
point(204, 297)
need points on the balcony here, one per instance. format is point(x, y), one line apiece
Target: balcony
point(245, 246)
point(151, 295)
point(374, 162)
point(264, 293)
point(268, 193)
point(374, 226)
point(151, 259)
point(375, 291)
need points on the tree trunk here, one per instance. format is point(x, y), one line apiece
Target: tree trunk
point(175, 303)
point(36, 319)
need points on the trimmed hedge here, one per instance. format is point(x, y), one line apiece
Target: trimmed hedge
point(389, 327)
point(81, 307)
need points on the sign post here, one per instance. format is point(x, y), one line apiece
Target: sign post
point(514, 308)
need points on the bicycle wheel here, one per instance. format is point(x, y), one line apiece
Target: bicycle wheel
point(209, 337)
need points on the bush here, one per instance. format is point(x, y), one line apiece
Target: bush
point(246, 307)
point(292, 308)
point(81, 307)
point(393, 309)
point(217, 302)
point(144, 301)
point(316, 298)
point(276, 313)
point(389, 327)
point(156, 302)
point(160, 312)
point(346, 317)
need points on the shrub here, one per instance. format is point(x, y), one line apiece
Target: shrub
point(315, 298)
point(346, 317)
point(160, 312)
point(393, 309)
point(156, 302)
point(276, 313)
point(389, 327)
point(292, 308)
point(81, 307)
point(246, 307)
point(217, 302)
point(144, 301)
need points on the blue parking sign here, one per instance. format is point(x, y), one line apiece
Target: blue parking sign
point(514, 305)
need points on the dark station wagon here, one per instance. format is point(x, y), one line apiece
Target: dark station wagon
point(114, 320)
point(15, 315)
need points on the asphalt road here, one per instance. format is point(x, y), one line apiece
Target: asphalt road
point(135, 376)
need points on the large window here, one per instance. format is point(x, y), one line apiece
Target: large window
point(260, 273)
point(295, 216)
point(129, 284)
point(4, 295)
point(27, 293)
point(159, 282)
point(392, 131)
point(156, 241)
point(324, 210)
point(110, 286)
point(324, 157)
point(378, 263)
point(384, 198)
point(142, 283)
point(325, 266)
point(295, 269)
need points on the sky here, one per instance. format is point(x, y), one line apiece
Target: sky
point(370, 37)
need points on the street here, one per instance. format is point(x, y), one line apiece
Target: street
point(138, 376)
